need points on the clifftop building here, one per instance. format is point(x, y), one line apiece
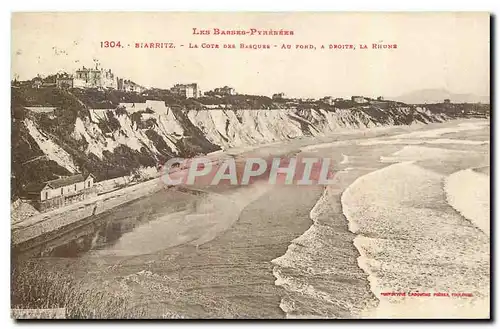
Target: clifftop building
point(358, 99)
point(90, 78)
point(128, 85)
point(94, 78)
point(64, 81)
point(190, 90)
point(328, 100)
point(279, 96)
point(37, 83)
point(225, 91)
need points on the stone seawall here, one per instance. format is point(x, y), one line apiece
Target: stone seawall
point(56, 219)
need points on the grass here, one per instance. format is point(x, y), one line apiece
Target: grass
point(33, 287)
point(38, 285)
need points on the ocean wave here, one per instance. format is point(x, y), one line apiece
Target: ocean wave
point(419, 153)
point(418, 142)
point(468, 192)
point(319, 271)
point(411, 240)
point(432, 133)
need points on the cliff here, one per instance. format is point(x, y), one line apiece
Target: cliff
point(111, 134)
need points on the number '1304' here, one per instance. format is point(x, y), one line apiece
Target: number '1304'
point(110, 44)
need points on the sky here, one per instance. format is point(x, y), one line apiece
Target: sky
point(434, 50)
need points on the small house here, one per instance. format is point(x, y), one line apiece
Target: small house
point(279, 96)
point(62, 191)
point(37, 83)
point(328, 100)
point(64, 81)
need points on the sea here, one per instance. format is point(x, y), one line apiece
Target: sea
point(403, 233)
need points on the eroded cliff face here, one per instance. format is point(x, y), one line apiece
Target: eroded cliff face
point(120, 141)
point(228, 128)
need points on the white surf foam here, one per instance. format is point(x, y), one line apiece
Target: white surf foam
point(418, 142)
point(411, 240)
point(469, 193)
point(318, 270)
point(433, 133)
point(419, 153)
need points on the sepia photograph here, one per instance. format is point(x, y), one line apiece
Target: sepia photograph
point(250, 165)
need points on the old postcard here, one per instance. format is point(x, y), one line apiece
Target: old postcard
point(170, 165)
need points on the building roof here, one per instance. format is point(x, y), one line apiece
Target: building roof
point(65, 181)
point(35, 187)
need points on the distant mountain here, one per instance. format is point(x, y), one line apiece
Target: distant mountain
point(438, 95)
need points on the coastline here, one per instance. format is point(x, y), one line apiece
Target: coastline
point(44, 223)
point(224, 268)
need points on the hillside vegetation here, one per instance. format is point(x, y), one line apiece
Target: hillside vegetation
point(113, 133)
